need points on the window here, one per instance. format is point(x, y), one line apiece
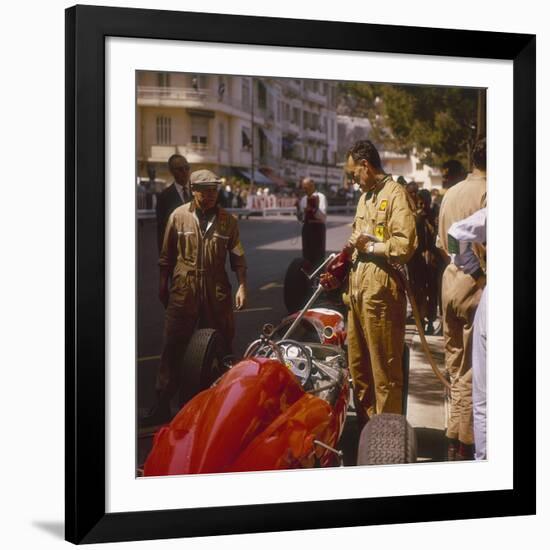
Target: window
point(333, 97)
point(163, 80)
point(164, 130)
point(199, 130)
point(286, 112)
point(315, 125)
point(262, 95)
point(246, 141)
point(245, 92)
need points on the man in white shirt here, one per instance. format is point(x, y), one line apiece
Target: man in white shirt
point(312, 212)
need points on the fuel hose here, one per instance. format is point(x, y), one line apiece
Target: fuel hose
point(420, 327)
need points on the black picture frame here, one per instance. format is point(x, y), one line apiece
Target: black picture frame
point(86, 30)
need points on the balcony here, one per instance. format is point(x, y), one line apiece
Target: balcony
point(292, 88)
point(196, 153)
point(291, 127)
point(317, 134)
point(315, 97)
point(156, 96)
point(161, 153)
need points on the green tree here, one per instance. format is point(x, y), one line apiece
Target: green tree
point(440, 122)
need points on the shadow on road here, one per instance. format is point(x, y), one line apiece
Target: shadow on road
point(431, 443)
point(424, 387)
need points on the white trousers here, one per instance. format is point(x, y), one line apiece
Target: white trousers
point(479, 378)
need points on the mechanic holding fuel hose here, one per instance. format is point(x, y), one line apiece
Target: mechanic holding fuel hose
point(377, 300)
point(198, 237)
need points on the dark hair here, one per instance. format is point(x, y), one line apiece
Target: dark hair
point(426, 196)
point(454, 167)
point(365, 150)
point(174, 157)
point(479, 154)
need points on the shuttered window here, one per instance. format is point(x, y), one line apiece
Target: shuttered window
point(199, 130)
point(164, 130)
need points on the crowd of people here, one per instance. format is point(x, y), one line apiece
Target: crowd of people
point(451, 283)
point(396, 224)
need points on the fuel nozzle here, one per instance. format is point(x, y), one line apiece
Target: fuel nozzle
point(337, 269)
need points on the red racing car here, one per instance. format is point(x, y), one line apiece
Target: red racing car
point(283, 405)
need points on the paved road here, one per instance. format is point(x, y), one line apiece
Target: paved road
point(271, 244)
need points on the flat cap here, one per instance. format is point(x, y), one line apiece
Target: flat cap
point(204, 178)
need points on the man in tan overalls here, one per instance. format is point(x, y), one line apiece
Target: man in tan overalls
point(198, 237)
point(461, 293)
point(376, 318)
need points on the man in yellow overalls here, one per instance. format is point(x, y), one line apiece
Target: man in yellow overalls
point(198, 237)
point(376, 318)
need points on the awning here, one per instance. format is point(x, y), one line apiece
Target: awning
point(278, 180)
point(259, 178)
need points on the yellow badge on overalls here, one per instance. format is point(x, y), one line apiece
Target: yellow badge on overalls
point(383, 205)
point(379, 231)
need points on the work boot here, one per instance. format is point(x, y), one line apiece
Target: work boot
point(452, 449)
point(159, 413)
point(465, 452)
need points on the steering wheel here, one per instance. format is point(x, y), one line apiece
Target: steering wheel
point(288, 352)
point(264, 348)
point(297, 359)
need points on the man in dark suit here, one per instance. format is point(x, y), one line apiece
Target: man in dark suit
point(174, 195)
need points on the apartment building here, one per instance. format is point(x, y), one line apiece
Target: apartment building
point(269, 130)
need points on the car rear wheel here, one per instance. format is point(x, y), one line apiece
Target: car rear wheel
point(297, 287)
point(387, 439)
point(202, 363)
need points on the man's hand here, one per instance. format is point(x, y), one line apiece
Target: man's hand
point(329, 281)
point(240, 297)
point(361, 242)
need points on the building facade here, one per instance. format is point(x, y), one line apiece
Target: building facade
point(266, 130)
point(352, 129)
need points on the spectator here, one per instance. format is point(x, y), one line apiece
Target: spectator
point(427, 233)
point(174, 195)
point(452, 172)
point(312, 211)
point(469, 238)
point(461, 293)
point(417, 264)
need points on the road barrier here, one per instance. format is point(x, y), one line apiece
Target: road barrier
point(144, 214)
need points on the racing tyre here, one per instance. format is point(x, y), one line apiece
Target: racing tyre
point(387, 439)
point(202, 363)
point(297, 287)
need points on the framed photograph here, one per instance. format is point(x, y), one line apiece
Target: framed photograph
point(228, 180)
